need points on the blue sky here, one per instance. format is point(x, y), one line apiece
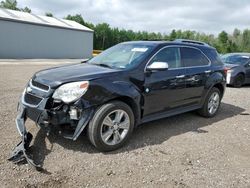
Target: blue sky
point(209, 16)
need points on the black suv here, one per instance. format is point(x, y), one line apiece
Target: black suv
point(126, 85)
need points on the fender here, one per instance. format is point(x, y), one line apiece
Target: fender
point(101, 92)
point(214, 78)
point(130, 94)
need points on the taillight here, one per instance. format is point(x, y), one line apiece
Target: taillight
point(226, 69)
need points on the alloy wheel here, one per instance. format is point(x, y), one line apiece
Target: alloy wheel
point(115, 127)
point(213, 103)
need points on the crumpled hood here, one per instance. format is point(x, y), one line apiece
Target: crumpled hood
point(78, 72)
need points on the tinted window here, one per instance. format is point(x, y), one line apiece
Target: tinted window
point(213, 56)
point(193, 57)
point(170, 55)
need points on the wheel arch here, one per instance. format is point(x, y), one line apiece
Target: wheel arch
point(242, 73)
point(237, 76)
point(106, 91)
point(215, 80)
point(220, 87)
point(132, 104)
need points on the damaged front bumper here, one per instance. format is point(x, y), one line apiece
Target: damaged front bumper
point(21, 151)
point(68, 120)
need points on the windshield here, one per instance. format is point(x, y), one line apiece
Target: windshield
point(235, 59)
point(122, 56)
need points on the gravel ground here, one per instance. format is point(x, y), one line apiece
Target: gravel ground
point(182, 151)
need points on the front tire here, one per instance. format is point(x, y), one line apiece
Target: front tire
point(111, 126)
point(211, 104)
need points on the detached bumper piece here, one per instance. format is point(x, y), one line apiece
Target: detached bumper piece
point(21, 154)
point(53, 120)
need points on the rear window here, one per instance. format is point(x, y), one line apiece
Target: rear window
point(193, 57)
point(214, 56)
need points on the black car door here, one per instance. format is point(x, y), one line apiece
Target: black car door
point(164, 90)
point(197, 71)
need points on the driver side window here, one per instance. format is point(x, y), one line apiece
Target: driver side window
point(169, 55)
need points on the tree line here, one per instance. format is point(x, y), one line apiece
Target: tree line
point(106, 36)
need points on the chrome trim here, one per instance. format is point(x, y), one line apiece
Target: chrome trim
point(158, 65)
point(43, 90)
point(179, 46)
point(31, 105)
point(18, 129)
point(181, 76)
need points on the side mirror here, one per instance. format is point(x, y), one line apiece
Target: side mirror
point(157, 66)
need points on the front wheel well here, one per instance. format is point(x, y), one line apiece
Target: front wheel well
point(241, 73)
point(132, 104)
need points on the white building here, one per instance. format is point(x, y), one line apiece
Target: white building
point(28, 36)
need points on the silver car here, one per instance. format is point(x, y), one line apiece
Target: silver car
point(238, 68)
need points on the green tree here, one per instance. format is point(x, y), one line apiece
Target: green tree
point(173, 35)
point(26, 9)
point(77, 18)
point(246, 40)
point(236, 33)
point(9, 4)
point(223, 37)
point(103, 34)
point(49, 14)
point(12, 4)
point(223, 42)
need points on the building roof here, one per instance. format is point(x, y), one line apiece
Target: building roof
point(18, 16)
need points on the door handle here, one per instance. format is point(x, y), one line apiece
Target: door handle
point(181, 76)
point(208, 71)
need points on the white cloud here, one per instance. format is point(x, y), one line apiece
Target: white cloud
point(158, 16)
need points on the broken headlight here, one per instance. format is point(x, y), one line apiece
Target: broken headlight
point(71, 92)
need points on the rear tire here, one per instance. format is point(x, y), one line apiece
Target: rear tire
point(111, 126)
point(239, 81)
point(212, 103)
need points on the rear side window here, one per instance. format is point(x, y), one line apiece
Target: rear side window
point(193, 57)
point(169, 55)
point(213, 56)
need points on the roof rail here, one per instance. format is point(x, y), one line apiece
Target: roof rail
point(191, 42)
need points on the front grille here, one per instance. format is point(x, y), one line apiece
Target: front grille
point(31, 99)
point(39, 85)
